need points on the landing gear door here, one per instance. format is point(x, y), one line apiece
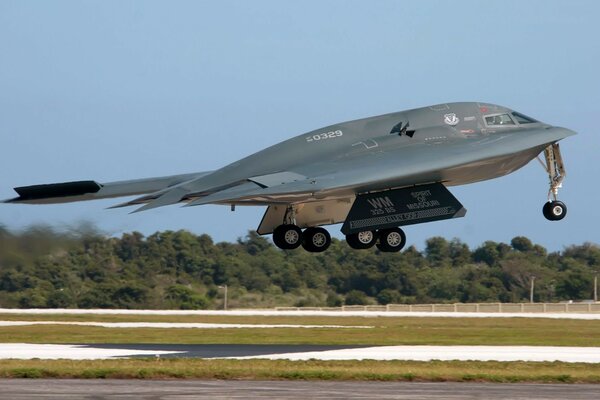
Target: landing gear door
point(407, 206)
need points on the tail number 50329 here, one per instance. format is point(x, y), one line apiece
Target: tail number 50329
point(324, 136)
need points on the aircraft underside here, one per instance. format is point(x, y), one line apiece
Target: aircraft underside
point(375, 218)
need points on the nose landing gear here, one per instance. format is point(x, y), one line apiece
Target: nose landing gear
point(554, 210)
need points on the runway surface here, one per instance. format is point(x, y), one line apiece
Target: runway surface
point(53, 389)
point(301, 352)
point(105, 351)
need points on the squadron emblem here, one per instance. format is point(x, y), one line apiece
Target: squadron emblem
point(451, 119)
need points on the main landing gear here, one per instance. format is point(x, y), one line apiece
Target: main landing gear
point(317, 239)
point(387, 240)
point(554, 210)
point(289, 236)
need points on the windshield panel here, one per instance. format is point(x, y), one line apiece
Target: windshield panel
point(523, 119)
point(499, 120)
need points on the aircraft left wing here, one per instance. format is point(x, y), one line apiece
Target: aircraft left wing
point(66, 192)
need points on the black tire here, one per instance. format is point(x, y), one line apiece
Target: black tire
point(362, 240)
point(554, 210)
point(287, 237)
point(316, 239)
point(391, 240)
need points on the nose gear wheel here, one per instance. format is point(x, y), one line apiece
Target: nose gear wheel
point(554, 210)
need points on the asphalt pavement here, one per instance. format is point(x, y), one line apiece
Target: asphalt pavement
point(222, 350)
point(53, 389)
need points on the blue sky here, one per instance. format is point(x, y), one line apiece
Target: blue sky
point(113, 90)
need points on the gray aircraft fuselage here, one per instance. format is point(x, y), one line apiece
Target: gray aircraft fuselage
point(469, 151)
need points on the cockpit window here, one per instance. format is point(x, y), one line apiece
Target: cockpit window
point(523, 119)
point(499, 120)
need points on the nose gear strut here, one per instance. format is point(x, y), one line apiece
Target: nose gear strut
point(554, 210)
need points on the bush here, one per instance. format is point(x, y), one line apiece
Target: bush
point(388, 296)
point(185, 298)
point(59, 299)
point(32, 298)
point(333, 300)
point(356, 297)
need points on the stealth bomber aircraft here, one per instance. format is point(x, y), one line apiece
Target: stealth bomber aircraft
point(374, 175)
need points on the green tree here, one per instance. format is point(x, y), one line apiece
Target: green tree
point(40, 267)
point(59, 299)
point(33, 298)
point(575, 283)
point(389, 296)
point(185, 298)
point(459, 252)
point(521, 243)
point(487, 253)
point(333, 300)
point(437, 251)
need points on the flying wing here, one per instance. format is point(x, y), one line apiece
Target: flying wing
point(375, 174)
point(339, 177)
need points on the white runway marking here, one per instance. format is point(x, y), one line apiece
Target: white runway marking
point(163, 325)
point(448, 353)
point(26, 351)
point(293, 313)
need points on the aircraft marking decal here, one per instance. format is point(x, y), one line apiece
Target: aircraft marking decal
point(403, 218)
point(451, 119)
point(397, 207)
point(324, 136)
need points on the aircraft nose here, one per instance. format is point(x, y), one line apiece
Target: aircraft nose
point(564, 132)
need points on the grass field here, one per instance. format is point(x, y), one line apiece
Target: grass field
point(385, 331)
point(304, 370)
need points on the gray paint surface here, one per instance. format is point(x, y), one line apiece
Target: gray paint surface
point(448, 143)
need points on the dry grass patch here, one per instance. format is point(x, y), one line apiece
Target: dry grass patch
point(304, 370)
point(386, 331)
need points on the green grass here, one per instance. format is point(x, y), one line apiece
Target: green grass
point(304, 370)
point(386, 331)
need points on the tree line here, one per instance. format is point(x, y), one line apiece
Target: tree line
point(40, 267)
